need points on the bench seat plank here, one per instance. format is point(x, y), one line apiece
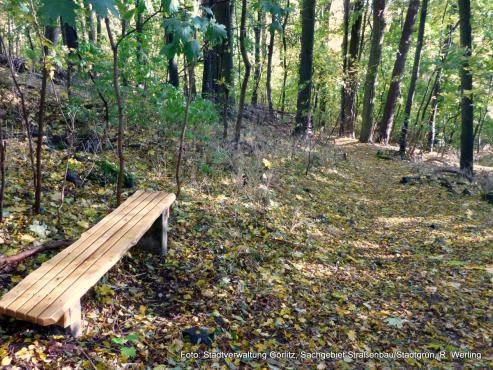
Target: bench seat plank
point(44, 270)
point(48, 293)
point(90, 250)
point(34, 282)
point(55, 308)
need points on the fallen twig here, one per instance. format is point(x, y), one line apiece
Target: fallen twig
point(10, 261)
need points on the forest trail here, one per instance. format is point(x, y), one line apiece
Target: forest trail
point(343, 259)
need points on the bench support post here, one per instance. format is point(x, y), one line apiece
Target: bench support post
point(72, 320)
point(155, 240)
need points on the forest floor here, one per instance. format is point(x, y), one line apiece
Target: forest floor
point(344, 258)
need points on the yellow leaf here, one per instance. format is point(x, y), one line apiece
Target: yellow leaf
point(142, 310)
point(351, 335)
point(6, 361)
point(83, 224)
point(267, 164)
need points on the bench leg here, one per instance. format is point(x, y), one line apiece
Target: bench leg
point(155, 240)
point(72, 320)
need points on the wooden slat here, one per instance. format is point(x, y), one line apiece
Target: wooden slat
point(90, 246)
point(47, 268)
point(88, 274)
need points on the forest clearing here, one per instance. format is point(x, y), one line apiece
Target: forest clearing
point(246, 184)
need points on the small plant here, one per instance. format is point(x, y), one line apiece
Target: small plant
point(127, 350)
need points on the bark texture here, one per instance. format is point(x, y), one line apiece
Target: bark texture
point(303, 112)
point(372, 70)
point(387, 122)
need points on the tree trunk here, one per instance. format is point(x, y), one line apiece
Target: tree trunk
point(174, 77)
point(98, 30)
point(51, 34)
point(182, 143)
point(344, 48)
point(351, 82)
point(385, 128)
point(3, 145)
point(69, 34)
point(90, 22)
point(466, 104)
point(223, 67)
point(218, 62)
point(268, 82)
point(207, 76)
point(121, 112)
point(258, 29)
point(284, 61)
point(372, 70)
point(414, 78)
point(366, 5)
point(435, 95)
point(191, 77)
point(246, 76)
point(139, 29)
point(303, 113)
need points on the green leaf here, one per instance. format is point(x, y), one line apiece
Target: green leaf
point(170, 50)
point(51, 10)
point(200, 23)
point(192, 50)
point(395, 321)
point(215, 33)
point(101, 7)
point(133, 337)
point(276, 26)
point(128, 352)
point(119, 340)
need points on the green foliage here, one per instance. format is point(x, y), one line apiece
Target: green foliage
point(51, 10)
point(183, 27)
point(107, 173)
point(103, 7)
point(126, 351)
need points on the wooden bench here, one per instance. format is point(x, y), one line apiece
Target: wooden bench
point(51, 294)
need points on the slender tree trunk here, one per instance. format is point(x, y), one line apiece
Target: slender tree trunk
point(257, 30)
point(182, 143)
point(435, 95)
point(39, 144)
point(174, 77)
point(90, 22)
point(71, 41)
point(139, 29)
point(344, 48)
point(466, 104)
point(482, 116)
point(246, 76)
point(207, 76)
point(284, 61)
point(367, 7)
point(268, 82)
point(385, 128)
point(3, 147)
point(98, 30)
point(121, 112)
point(414, 78)
point(51, 34)
point(351, 82)
point(191, 78)
point(372, 70)
point(303, 112)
